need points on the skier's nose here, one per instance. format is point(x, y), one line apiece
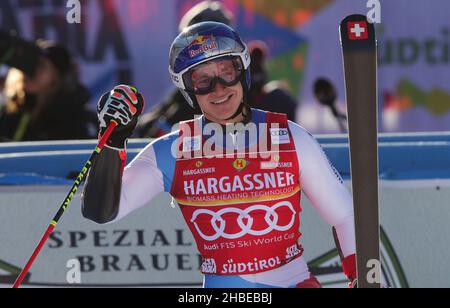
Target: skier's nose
point(219, 89)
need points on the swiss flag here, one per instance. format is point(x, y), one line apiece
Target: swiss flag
point(358, 30)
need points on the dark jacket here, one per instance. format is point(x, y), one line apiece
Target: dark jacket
point(276, 99)
point(64, 118)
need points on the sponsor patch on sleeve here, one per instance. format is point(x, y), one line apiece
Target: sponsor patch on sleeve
point(192, 144)
point(280, 136)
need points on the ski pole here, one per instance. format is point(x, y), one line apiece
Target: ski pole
point(65, 203)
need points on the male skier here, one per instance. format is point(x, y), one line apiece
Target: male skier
point(237, 173)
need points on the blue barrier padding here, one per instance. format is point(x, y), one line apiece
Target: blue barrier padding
point(400, 160)
point(409, 137)
point(31, 179)
point(58, 164)
point(25, 147)
point(411, 156)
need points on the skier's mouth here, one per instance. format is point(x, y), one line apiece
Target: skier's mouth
point(222, 100)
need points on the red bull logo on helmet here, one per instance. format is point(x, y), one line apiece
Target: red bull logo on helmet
point(202, 44)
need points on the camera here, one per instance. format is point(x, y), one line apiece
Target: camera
point(19, 53)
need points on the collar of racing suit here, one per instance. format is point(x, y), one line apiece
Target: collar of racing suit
point(244, 109)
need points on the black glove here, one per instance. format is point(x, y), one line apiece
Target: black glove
point(123, 104)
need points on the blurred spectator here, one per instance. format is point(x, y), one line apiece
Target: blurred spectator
point(49, 104)
point(3, 72)
point(271, 96)
point(206, 11)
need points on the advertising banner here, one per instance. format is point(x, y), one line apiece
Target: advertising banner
point(128, 42)
point(153, 248)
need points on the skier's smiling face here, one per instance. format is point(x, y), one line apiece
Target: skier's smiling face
point(222, 101)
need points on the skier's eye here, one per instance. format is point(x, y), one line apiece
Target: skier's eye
point(228, 75)
point(202, 83)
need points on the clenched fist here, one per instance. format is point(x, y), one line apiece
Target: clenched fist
point(124, 104)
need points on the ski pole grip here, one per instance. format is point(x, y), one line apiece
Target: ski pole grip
point(112, 125)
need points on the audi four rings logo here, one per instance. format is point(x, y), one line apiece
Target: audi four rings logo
point(276, 133)
point(219, 224)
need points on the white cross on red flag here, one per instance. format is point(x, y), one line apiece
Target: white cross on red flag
point(358, 30)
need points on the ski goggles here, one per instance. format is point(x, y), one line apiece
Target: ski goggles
point(203, 78)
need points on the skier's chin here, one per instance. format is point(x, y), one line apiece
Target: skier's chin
point(222, 104)
point(222, 114)
point(224, 117)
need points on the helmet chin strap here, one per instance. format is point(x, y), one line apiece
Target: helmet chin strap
point(241, 110)
point(237, 113)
